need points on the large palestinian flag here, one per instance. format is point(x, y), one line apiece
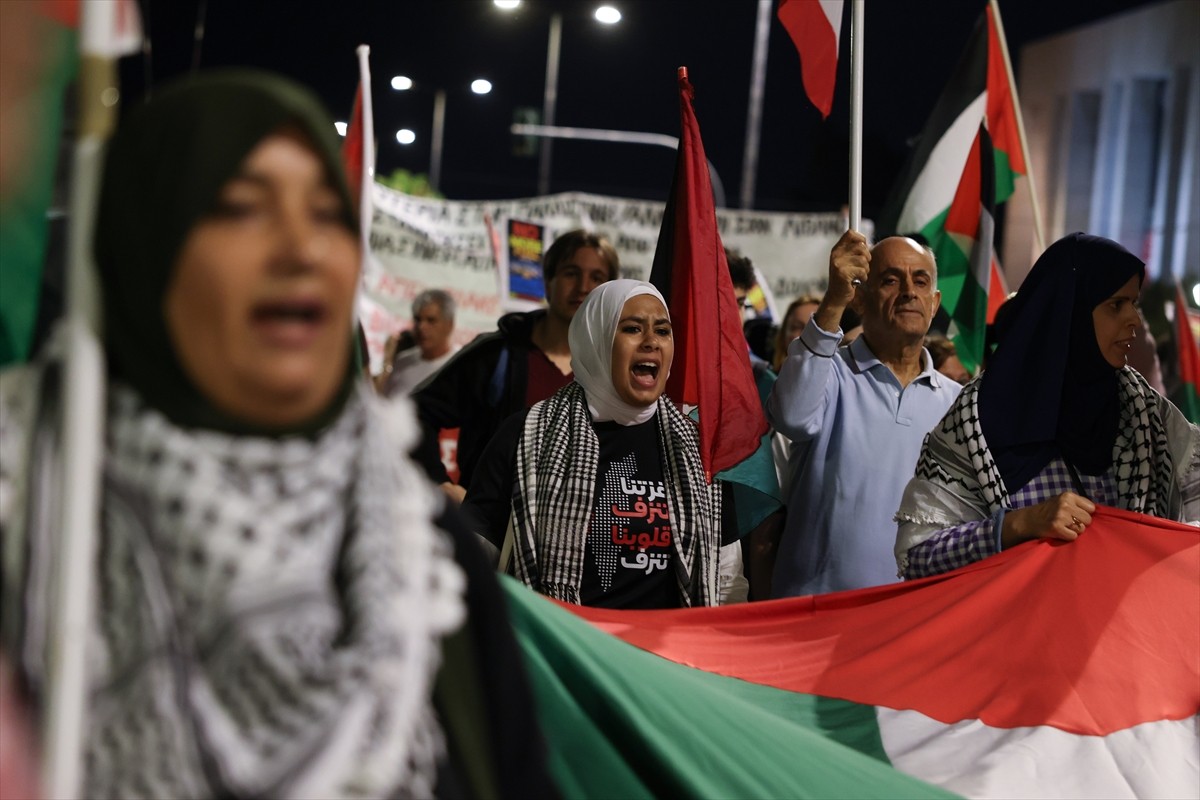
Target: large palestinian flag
point(978, 94)
point(1051, 670)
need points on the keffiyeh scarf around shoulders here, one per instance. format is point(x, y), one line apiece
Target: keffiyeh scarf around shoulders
point(269, 613)
point(554, 491)
point(957, 480)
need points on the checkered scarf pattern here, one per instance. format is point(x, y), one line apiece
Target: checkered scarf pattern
point(1142, 464)
point(557, 460)
point(268, 614)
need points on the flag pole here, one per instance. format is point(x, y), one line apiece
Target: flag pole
point(368, 133)
point(82, 418)
point(1012, 87)
point(856, 98)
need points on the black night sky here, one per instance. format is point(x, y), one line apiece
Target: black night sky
point(620, 76)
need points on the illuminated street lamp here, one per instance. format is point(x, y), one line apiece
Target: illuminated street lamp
point(437, 137)
point(606, 14)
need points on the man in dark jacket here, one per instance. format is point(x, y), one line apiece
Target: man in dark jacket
point(526, 360)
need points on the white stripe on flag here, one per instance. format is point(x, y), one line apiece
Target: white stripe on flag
point(833, 13)
point(1154, 759)
point(110, 28)
point(934, 189)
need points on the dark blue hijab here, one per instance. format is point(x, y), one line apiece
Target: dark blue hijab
point(1048, 391)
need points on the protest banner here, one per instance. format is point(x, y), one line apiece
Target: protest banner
point(422, 243)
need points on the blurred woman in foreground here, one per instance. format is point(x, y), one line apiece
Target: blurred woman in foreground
point(273, 595)
point(1055, 426)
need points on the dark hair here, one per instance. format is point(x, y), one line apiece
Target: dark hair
point(565, 247)
point(940, 349)
point(741, 270)
point(779, 351)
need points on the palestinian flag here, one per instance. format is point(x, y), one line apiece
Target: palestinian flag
point(965, 260)
point(712, 360)
point(43, 42)
point(1187, 396)
point(815, 27)
point(1050, 670)
point(978, 93)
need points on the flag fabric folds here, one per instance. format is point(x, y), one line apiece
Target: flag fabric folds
point(712, 360)
point(1051, 670)
point(621, 722)
point(978, 93)
point(815, 27)
point(358, 148)
point(965, 262)
point(28, 189)
point(1187, 396)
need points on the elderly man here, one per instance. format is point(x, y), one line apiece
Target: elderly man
point(433, 322)
point(858, 415)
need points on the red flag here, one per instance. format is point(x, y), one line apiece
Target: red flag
point(712, 362)
point(997, 288)
point(1188, 394)
point(815, 27)
point(358, 149)
point(352, 148)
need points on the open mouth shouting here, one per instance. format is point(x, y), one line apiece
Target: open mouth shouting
point(645, 374)
point(290, 322)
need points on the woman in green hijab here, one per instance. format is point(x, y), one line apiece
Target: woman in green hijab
point(274, 596)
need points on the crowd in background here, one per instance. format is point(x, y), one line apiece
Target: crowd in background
point(295, 596)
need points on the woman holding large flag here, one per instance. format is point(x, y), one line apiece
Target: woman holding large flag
point(609, 505)
point(1057, 425)
point(275, 603)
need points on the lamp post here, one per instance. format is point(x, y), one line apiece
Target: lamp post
point(436, 139)
point(605, 14)
point(437, 135)
point(549, 99)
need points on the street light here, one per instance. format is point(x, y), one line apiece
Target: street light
point(437, 137)
point(606, 14)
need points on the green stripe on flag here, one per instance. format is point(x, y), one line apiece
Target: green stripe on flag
point(23, 223)
point(621, 722)
point(970, 323)
point(1006, 179)
point(958, 286)
point(1187, 400)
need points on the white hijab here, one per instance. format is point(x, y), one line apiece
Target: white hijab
point(591, 336)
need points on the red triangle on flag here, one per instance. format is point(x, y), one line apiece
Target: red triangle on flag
point(712, 360)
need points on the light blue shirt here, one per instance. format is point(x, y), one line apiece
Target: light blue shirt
point(857, 436)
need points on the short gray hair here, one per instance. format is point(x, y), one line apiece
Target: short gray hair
point(438, 297)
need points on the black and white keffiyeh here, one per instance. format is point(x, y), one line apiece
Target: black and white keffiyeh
point(553, 497)
point(1154, 464)
point(269, 613)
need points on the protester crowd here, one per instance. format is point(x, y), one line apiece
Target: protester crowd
point(293, 597)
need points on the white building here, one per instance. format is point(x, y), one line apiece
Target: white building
point(1112, 115)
